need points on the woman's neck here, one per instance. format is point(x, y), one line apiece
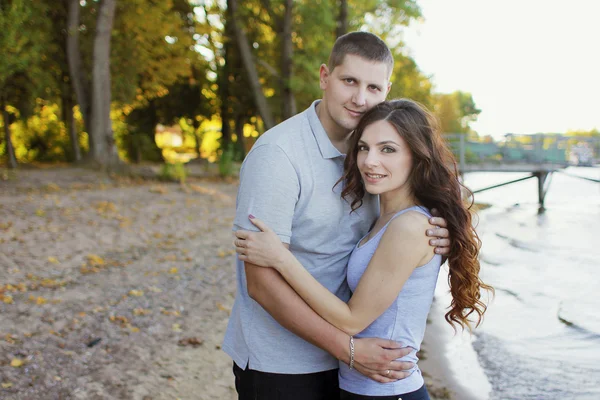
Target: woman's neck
point(395, 201)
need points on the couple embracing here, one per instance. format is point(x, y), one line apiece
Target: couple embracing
point(335, 269)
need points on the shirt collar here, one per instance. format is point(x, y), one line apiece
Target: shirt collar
point(327, 149)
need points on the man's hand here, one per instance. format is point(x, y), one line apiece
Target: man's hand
point(375, 359)
point(440, 234)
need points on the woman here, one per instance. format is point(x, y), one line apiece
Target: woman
point(397, 153)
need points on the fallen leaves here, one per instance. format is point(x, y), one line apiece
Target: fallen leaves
point(9, 338)
point(224, 308)
point(225, 253)
point(39, 300)
point(96, 263)
point(169, 312)
point(123, 322)
point(16, 362)
point(191, 341)
point(90, 301)
point(159, 189)
point(212, 192)
point(95, 260)
point(104, 207)
point(6, 225)
point(119, 319)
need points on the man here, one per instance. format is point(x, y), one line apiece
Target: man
point(280, 347)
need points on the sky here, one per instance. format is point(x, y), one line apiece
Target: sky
point(532, 66)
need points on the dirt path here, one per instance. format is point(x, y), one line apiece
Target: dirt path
point(102, 280)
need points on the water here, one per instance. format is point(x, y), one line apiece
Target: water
point(541, 335)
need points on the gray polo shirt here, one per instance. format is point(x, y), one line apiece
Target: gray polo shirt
point(287, 180)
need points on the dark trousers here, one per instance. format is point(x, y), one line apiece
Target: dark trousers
point(420, 394)
point(257, 385)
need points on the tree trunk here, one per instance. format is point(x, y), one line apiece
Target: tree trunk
point(289, 102)
point(239, 133)
point(10, 151)
point(197, 136)
point(342, 22)
point(105, 152)
point(246, 54)
point(224, 83)
point(69, 120)
point(76, 73)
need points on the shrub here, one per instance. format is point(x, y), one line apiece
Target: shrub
point(173, 172)
point(226, 161)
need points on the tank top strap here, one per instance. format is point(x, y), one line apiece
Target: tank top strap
point(420, 209)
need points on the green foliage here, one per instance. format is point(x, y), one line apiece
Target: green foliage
point(581, 133)
point(25, 46)
point(456, 111)
point(178, 59)
point(173, 172)
point(151, 48)
point(409, 82)
point(23, 40)
point(43, 137)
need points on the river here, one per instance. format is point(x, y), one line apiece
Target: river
point(541, 335)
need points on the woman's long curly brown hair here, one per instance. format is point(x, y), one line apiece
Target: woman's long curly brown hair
point(435, 184)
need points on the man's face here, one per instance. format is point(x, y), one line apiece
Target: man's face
point(351, 89)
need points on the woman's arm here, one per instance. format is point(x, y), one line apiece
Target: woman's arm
point(402, 248)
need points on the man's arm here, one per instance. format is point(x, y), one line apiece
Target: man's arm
point(387, 272)
point(373, 357)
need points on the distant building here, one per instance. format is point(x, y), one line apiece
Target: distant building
point(582, 155)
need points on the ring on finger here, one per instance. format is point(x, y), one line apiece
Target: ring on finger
point(387, 373)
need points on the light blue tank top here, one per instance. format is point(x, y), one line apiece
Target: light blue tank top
point(404, 321)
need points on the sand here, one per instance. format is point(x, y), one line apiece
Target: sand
point(122, 288)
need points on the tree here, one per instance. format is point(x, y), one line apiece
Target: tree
point(342, 22)
point(104, 151)
point(408, 81)
point(78, 77)
point(246, 55)
point(456, 111)
point(151, 48)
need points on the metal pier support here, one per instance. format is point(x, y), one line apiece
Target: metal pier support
point(543, 185)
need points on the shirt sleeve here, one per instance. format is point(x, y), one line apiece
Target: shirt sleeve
point(269, 190)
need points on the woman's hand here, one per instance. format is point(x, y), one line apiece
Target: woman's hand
point(263, 248)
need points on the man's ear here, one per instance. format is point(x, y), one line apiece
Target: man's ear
point(323, 76)
point(389, 87)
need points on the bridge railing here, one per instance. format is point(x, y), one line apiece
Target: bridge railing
point(545, 149)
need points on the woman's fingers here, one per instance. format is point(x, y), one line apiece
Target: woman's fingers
point(259, 224)
point(241, 234)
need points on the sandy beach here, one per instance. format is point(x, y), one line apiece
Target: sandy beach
point(122, 288)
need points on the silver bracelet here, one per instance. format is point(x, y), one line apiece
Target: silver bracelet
point(351, 352)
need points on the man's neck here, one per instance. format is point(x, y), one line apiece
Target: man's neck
point(337, 136)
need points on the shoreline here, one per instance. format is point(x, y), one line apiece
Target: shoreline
point(448, 361)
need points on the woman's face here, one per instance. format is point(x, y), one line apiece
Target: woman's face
point(384, 159)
